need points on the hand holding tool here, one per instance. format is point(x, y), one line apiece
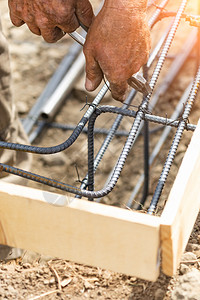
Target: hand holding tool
point(137, 81)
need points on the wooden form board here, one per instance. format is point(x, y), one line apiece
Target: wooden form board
point(104, 236)
point(182, 207)
point(80, 231)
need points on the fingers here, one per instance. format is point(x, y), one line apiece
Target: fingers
point(34, 29)
point(16, 21)
point(119, 90)
point(84, 12)
point(51, 35)
point(94, 73)
point(94, 77)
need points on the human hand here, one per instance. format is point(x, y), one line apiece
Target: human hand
point(117, 45)
point(51, 18)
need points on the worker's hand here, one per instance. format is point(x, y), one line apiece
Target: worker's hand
point(117, 45)
point(51, 18)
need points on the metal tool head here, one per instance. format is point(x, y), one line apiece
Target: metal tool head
point(137, 81)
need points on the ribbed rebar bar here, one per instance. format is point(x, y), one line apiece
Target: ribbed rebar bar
point(156, 14)
point(69, 141)
point(146, 150)
point(68, 127)
point(175, 143)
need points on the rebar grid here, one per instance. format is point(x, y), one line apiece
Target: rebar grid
point(93, 112)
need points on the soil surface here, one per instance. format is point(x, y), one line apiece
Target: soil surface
point(38, 277)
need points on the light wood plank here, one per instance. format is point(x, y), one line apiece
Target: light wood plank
point(80, 231)
point(182, 207)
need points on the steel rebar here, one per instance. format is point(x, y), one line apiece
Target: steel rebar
point(146, 150)
point(175, 144)
point(69, 141)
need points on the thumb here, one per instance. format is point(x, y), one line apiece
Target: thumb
point(94, 73)
point(84, 12)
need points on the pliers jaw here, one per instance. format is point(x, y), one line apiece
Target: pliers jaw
point(139, 83)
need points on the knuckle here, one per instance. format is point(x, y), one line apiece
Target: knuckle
point(67, 20)
point(64, 13)
point(42, 22)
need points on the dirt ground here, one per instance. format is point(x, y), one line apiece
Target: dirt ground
point(37, 277)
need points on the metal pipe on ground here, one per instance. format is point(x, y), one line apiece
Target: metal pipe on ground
point(64, 88)
point(63, 68)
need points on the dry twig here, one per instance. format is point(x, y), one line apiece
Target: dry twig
point(56, 274)
point(44, 294)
